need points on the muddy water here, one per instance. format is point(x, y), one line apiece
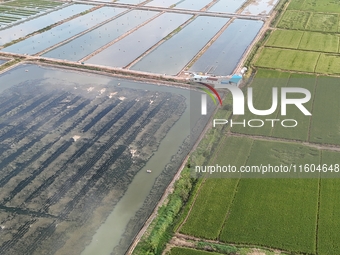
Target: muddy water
point(110, 232)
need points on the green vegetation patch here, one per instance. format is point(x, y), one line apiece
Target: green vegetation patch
point(295, 5)
point(294, 19)
point(321, 6)
point(325, 127)
point(262, 86)
point(285, 39)
point(300, 132)
point(329, 220)
point(209, 210)
point(212, 203)
point(187, 251)
point(328, 64)
point(323, 22)
point(319, 42)
point(288, 59)
point(274, 213)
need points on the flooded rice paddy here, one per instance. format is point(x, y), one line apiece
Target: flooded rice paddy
point(44, 40)
point(225, 53)
point(227, 6)
point(32, 25)
point(172, 56)
point(74, 150)
point(132, 46)
point(93, 40)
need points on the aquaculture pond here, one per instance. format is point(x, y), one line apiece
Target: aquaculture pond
point(172, 55)
point(227, 6)
point(260, 7)
point(132, 46)
point(224, 54)
point(161, 3)
point(85, 44)
point(192, 4)
point(13, 33)
point(75, 148)
point(44, 40)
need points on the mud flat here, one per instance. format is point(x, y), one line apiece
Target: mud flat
point(72, 144)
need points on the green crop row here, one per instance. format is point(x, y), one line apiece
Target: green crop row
point(330, 6)
point(303, 20)
point(321, 127)
point(277, 213)
point(304, 40)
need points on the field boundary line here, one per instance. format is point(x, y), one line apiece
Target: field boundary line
point(234, 195)
point(277, 114)
point(188, 238)
point(310, 15)
point(317, 61)
point(329, 147)
point(313, 101)
point(318, 210)
point(298, 47)
point(192, 205)
point(199, 188)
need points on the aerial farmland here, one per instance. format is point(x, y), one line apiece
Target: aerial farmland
point(101, 133)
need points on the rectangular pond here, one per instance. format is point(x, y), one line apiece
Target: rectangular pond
point(85, 44)
point(192, 4)
point(229, 6)
point(222, 57)
point(81, 144)
point(132, 46)
point(162, 3)
point(44, 40)
point(260, 7)
point(172, 55)
point(30, 26)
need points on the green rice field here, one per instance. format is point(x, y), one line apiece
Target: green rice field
point(304, 40)
point(286, 59)
point(330, 6)
point(319, 128)
point(294, 215)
